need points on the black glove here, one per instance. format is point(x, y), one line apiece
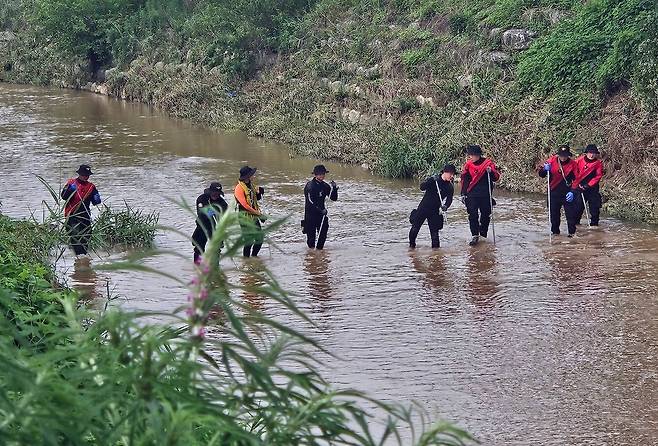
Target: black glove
point(584, 186)
point(324, 212)
point(261, 191)
point(444, 208)
point(333, 184)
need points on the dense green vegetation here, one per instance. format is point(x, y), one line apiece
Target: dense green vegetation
point(228, 376)
point(399, 85)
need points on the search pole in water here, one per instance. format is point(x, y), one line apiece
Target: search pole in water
point(493, 226)
point(548, 194)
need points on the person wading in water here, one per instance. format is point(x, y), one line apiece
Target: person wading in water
point(562, 170)
point(315, 220)
point(80, 194)
point(589, 171)
point(437, 199)
point(209, 206)
point(476, 191)
point(246, 197)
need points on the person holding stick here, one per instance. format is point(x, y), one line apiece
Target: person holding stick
point(561, 172)
point(589, 170)
point(316, 222)
point(478, 177)
point(433, 207)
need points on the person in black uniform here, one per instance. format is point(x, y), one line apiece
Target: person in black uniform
point(209, 205)
point(315, 213)
point(437, 199)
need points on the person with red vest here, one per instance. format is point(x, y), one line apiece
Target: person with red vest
point(589, 170)
point(80, 194)
point(476, 189)
point(562, 171)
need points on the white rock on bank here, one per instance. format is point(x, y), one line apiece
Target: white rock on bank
point(518, 39)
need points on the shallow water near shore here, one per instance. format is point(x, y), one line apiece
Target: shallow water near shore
point(529, 341)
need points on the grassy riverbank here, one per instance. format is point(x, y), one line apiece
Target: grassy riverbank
point(396, 85)
point(228, 376)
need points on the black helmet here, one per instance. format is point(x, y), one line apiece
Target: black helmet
point(591, 148)
point(247, 172)
point(450, 168)
point(473, 149)
point(84, 170)
point(214, 187)
point(320, 170)
point(564, 150)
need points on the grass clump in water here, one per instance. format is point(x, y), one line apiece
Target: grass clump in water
point(127, 227)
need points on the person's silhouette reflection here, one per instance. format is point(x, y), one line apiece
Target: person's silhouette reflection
point(84, 279)
point(251, 279)
point(316, 266)
point(481, 281)
point(437, 280)
point(432, 267)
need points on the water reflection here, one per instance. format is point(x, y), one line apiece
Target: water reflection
point(481, 281)
point(317, 268)
point(251, 279)
point(84, 280)
point(433, 269)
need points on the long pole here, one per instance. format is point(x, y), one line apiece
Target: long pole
point(493, 226)
point(445, 214)
point(586, 211)
point(324, 217)
point(548, 194)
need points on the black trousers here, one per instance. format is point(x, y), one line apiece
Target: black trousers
point(594, 203)
point(559, 201)
point(200, 239)
point(434, 221)
point(316, 226)
point(78, 229)
point(253, 237)
point(479, 215)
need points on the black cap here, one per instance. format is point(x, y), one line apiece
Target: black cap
point(320, 170)
point(450, 168)
point(564, 150)
point(84, 170)
point(247, 172)
point(473, 149)
point(214, 187)
point(591, 148)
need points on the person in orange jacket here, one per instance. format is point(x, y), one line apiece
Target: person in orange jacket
point(589, 170)
point(247, 196)
point(562, 170)
point(475, 191)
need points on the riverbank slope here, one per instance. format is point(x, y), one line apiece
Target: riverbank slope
point(398, 87)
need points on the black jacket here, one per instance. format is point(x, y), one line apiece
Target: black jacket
point(203, 204)
point(430, 201)
point(315, 192)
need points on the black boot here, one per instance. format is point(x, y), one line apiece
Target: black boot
point(474, 241)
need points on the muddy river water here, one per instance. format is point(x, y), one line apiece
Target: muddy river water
point(525, 342)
